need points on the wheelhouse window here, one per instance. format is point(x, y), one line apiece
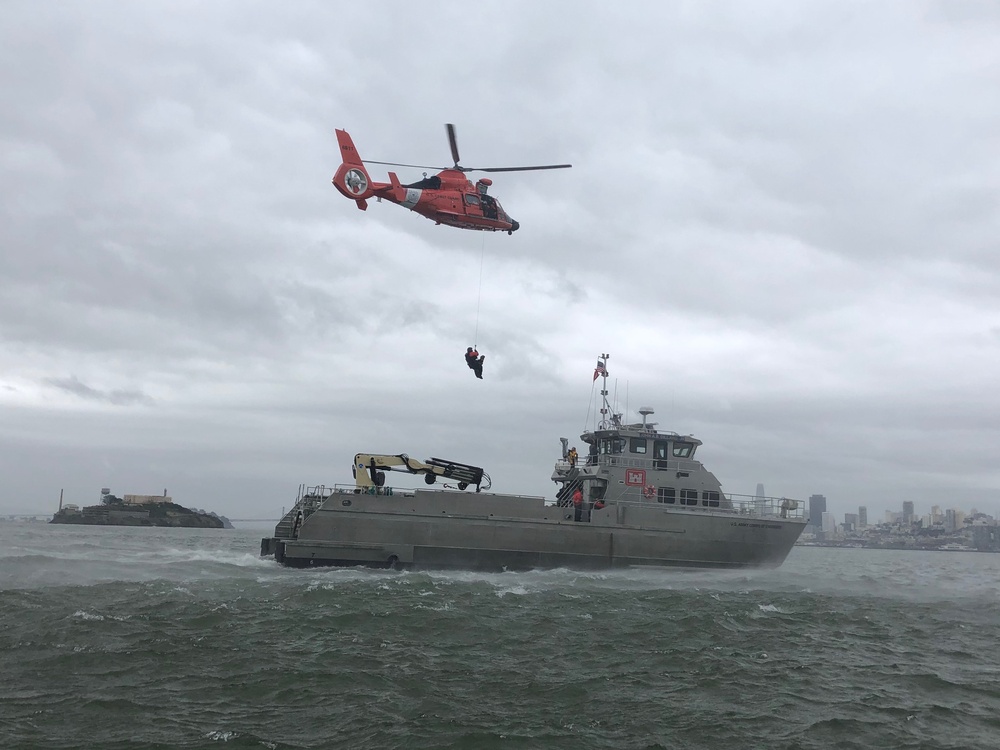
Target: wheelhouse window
point(611, 446)
point(710, 498)
point(638, 445)
point(683, 450)
point(666, 495)
point(689, 497)
point(660, 454)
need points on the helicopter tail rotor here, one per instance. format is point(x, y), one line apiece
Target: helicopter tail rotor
point(352, 179)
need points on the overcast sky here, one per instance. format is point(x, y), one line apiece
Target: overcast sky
point(781, 222)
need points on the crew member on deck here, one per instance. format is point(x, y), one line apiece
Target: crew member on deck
point(578, 504)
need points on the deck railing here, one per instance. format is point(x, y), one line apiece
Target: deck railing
point(729, 504)
point(633, 462)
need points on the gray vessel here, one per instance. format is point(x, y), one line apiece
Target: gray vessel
point(638, 496)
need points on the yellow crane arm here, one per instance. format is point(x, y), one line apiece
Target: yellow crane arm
point(368, 470)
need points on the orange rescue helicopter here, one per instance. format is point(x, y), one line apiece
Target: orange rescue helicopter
point(448, 197)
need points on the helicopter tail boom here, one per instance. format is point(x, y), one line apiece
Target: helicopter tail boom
point(399, 194)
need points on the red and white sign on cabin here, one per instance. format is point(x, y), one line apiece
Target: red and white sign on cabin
point(635, 477)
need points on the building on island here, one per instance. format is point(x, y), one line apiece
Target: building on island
point(147, 499)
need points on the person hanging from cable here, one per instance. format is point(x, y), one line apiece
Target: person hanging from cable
point(474, 361)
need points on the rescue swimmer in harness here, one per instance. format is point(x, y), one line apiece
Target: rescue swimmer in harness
point(474, 361)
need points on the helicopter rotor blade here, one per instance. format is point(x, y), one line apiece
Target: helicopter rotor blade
point(397, 164)
point(516, 169)
point(453, 143)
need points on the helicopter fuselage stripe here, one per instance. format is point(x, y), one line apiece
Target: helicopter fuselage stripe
point(412, 196)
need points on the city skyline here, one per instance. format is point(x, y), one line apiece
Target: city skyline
point(877, 512)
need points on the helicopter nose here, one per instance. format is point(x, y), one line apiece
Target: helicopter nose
point(514, 226)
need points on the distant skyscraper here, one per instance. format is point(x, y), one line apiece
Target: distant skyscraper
point(850, 521)
point(817, 507)
point(760, 490)
point(828, 523)
point(862, 517)
point(954, 520)
point(907, 512)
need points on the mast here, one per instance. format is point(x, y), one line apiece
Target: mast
point(609, 419)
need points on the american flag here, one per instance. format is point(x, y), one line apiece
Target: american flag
point(600, 369)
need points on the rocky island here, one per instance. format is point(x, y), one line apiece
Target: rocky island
point(139, 510)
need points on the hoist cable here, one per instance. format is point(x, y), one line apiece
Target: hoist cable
point(479, 298)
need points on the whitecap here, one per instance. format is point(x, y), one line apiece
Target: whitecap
point(87, 615)
point(501, 592)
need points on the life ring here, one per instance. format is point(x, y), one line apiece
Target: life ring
point(649, 491)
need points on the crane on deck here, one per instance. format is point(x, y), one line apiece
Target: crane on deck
point(369, 470)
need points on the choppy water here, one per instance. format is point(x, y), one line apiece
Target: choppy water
point(122, 638)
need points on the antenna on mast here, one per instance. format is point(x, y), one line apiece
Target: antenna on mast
point(609, 419)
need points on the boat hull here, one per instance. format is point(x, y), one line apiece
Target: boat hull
point(431, 529)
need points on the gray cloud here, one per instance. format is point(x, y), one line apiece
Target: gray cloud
point(117, 397)
point(781, 222)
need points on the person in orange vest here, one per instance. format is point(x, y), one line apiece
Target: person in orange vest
point(578, 504)
point(474, 361)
